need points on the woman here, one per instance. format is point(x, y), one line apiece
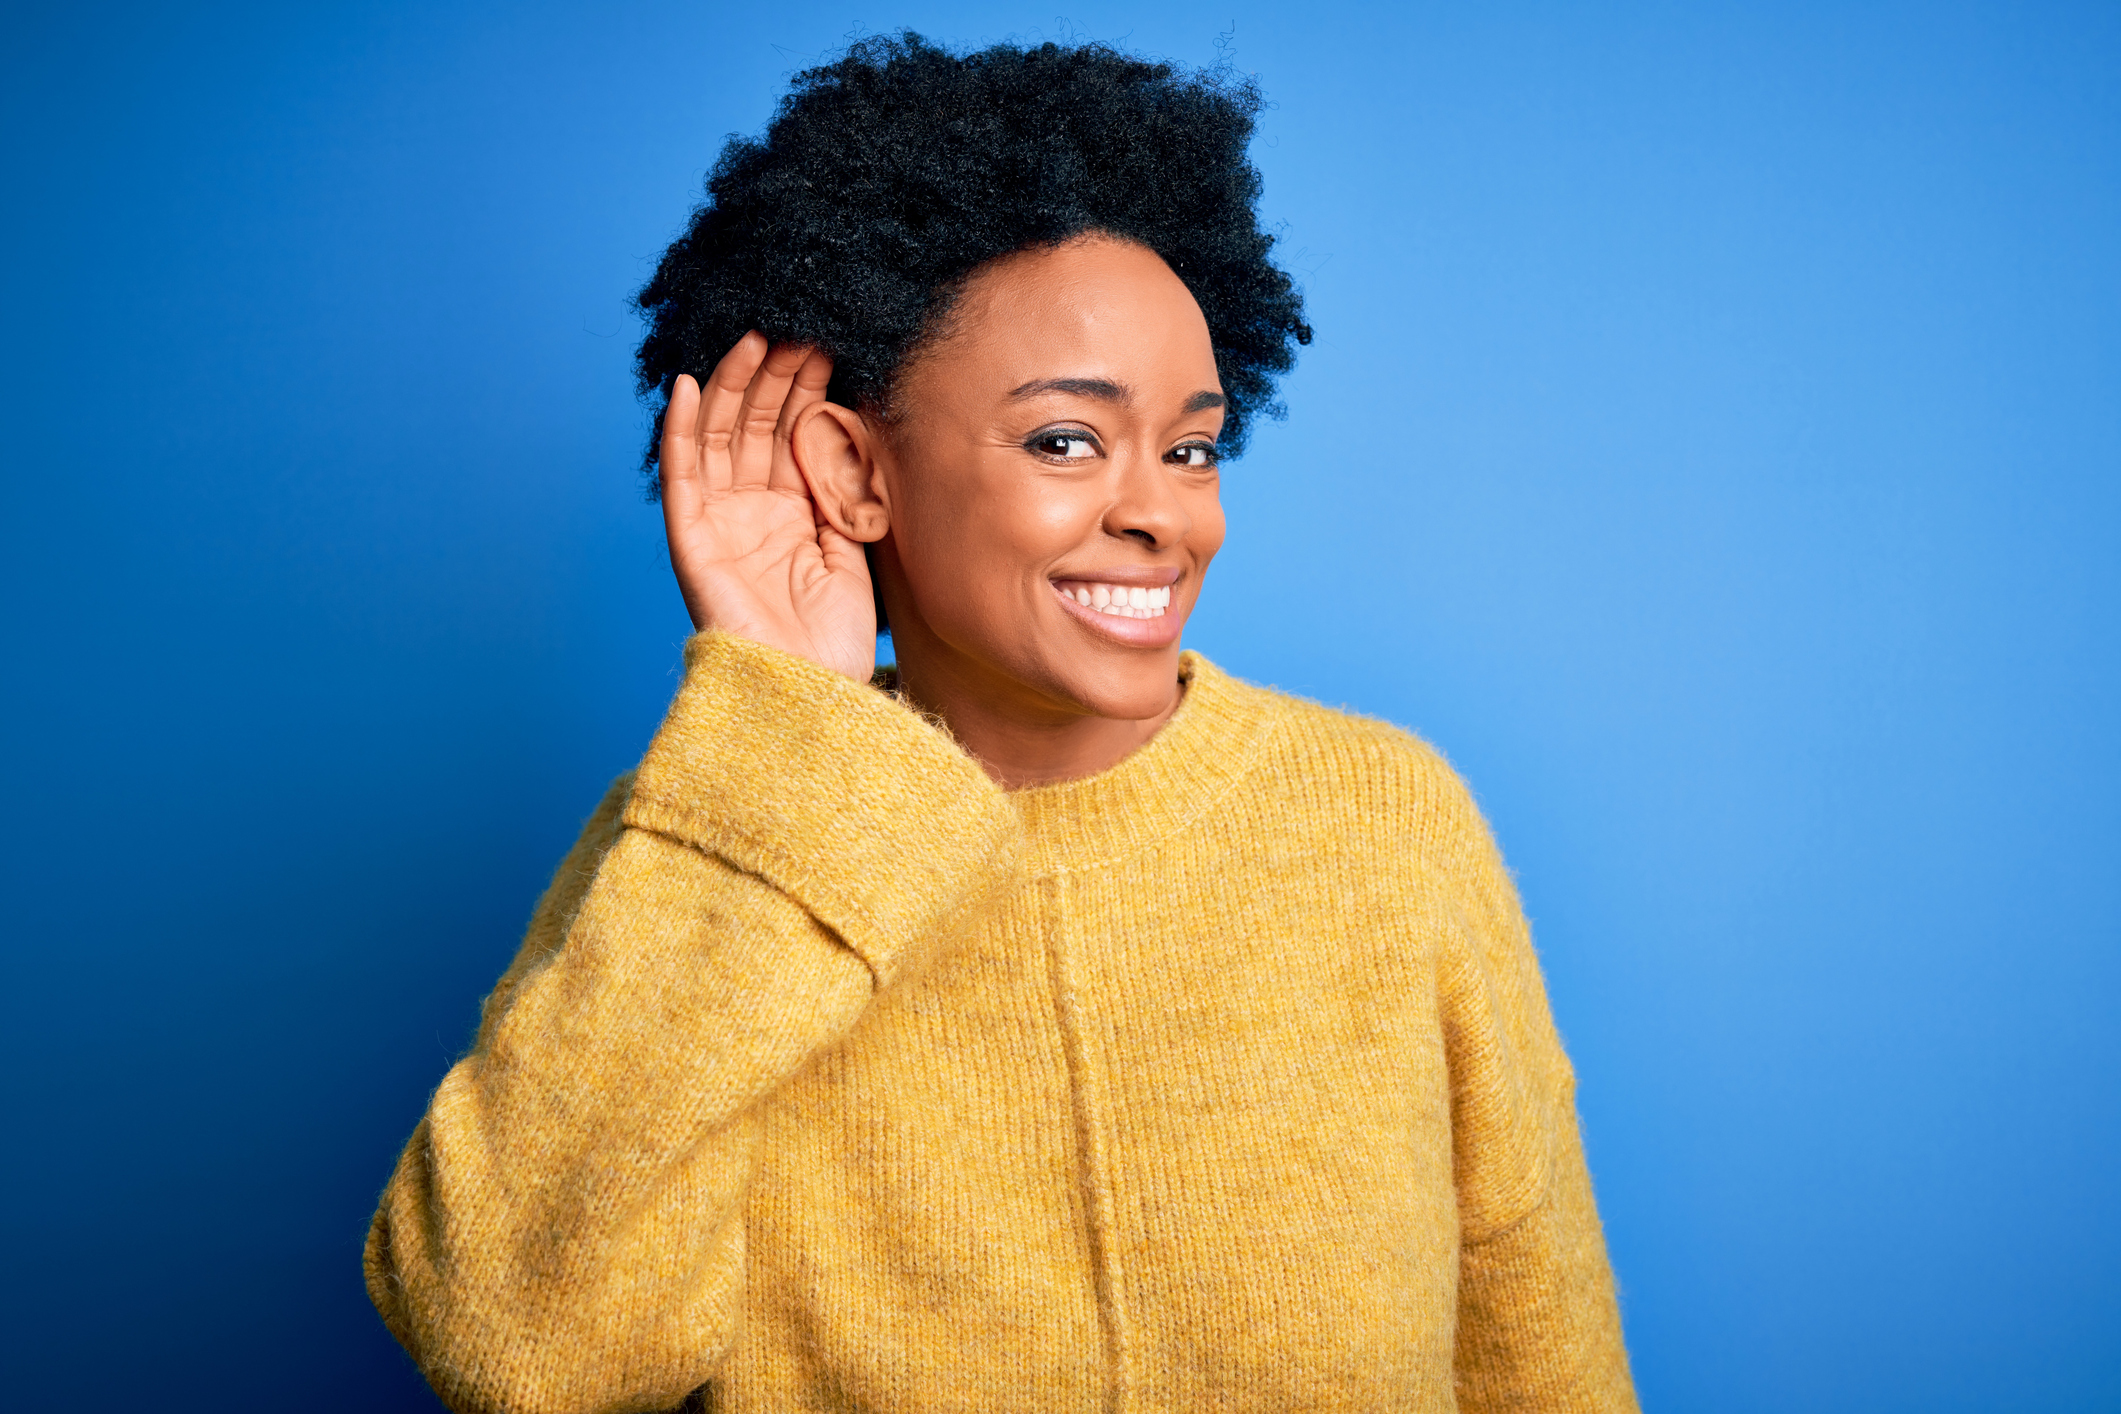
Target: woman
point(1057, 1024)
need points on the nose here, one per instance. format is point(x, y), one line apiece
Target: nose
point(1145, 506)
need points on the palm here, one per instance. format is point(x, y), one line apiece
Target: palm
point(753, 557)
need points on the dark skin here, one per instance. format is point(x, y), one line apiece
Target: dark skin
point(1054, 444)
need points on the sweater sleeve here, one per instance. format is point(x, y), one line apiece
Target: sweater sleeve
point(564, 1232)
point(1538, 1319)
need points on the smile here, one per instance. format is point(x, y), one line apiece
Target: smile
point(1119, 600)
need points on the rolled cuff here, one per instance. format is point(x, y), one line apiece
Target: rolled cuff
point(831, 791)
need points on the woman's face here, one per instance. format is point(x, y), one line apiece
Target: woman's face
point(1050, 485)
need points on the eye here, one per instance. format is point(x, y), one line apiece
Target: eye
point(1063, 444)
point(1193, 454)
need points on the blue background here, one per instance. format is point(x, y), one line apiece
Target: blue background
point(1711, 442)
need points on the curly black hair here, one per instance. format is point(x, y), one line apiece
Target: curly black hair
point(891, 174)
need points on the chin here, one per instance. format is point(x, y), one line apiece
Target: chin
point(1132, 691)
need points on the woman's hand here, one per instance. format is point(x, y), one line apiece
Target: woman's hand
point(752, 554)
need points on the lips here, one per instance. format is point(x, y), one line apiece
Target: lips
point(1136, 615)
point(1120, 601)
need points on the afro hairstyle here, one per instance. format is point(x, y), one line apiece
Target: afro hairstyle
point(890, 175)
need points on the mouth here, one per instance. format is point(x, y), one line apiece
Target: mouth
point(1119, 601)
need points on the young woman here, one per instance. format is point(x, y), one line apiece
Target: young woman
point(1056, 1023)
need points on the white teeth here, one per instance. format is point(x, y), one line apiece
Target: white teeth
point(1123, 601)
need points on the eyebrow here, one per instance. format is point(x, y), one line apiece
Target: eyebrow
point(1105, 390)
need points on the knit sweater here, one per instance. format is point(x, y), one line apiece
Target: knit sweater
point(831, 1076)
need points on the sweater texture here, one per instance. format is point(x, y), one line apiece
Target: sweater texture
point(831, 1076)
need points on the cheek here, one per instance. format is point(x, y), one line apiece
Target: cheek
point(977, 544)
point(1053, 516)
point(1013, 524)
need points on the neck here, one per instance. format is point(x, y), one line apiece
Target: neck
point(1020, 735)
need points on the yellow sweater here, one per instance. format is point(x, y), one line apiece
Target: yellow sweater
point(831, 1076)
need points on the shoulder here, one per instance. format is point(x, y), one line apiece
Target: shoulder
point(1363, 791)
point(1361, 769)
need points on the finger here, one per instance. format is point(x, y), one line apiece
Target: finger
point(721, 407)
point(752, 453)
point(811, 380)
point(677, 457)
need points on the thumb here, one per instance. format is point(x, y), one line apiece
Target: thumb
point(843, 554)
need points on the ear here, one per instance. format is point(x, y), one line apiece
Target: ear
point(839, 451)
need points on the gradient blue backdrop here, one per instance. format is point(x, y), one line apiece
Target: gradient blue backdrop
point(1712, 441)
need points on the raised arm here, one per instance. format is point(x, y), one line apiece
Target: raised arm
point(564, 1232)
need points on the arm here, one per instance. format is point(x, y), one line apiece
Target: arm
point(564, 1232)
point(1538, 1323)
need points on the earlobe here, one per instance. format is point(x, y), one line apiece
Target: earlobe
point(836, 450)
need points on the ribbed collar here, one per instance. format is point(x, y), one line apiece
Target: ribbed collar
point(1160, 788)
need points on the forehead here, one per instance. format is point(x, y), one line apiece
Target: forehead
point(1094, 308)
